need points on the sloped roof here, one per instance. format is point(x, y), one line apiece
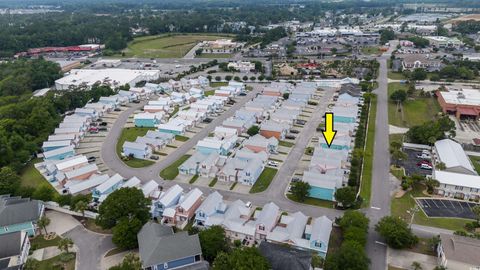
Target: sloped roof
point(158, 244)
point(451, 153)
point(15, 210)
point(284, 258)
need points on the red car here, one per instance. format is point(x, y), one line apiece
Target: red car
point(424, 162)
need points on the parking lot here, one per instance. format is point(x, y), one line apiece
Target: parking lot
point(446, 208)
point(410, 163)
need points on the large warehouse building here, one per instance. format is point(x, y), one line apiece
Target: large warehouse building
point(114, 77)
point(464, 103)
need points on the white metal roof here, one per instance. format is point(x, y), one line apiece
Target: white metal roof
point(191, 198)
point(83, 170)
point(170, 195)
point(457, 179)
point(77, 160)
point(58, 151)
point(149, 187)
point(87, 184)
point(452, 154)
point(112, 181)
point(132, 182)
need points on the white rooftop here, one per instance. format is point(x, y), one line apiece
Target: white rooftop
point(462, 96)
point(451, 153)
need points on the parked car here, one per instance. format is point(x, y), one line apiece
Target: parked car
point(295, 179)
point(294, 131)
point(424, 162)
point(272, 163)
point(103, 124)
point(136, 101)
point(207, 120)
point(117, 109)
point(102, 129)
point(242, 94)
point(154, 157)
point(99, 120)
point(290, 137)
point(92, 159)
point(426, 167)
point(315, 139)
point(424, 156)
point(93, 130)
point(301, 122)
point(248, 204)
point(231, 102)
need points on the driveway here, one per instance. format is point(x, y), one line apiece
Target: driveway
point(60, 223)
point(91, 247)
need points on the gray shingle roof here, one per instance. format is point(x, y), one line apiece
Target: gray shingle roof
point(158, 244)
point(10, 244)
point(285, 258)
point(15, 210)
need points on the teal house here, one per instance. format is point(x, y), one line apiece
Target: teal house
point(318, 235)
point(322, 186)
point(147, 119)
point(19, 214)
point(60, 153)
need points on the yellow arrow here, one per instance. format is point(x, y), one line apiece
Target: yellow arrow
point(329, 133)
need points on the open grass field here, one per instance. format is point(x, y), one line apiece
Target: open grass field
point(401, 205)
point(366, 185)
point(396, 75)
point(166, 46)
point(370, 50)
point(30, 177)
point(264, 180)
point(56, 263)
point(475, 162)
point(415, 111)
point(170, 172)
point(214, 55)
point(312, 201)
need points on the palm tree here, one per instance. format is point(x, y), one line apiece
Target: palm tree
point(398, 155)
point(64, 244)
point(81, 206)
point(43, 222)
point(416, 266)
point(431, 184)
point(476, 211)
point(440, 166)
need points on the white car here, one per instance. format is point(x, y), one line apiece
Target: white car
point(272, 163)
point(426, 166)
point(248, 204)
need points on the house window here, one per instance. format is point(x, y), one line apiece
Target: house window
point(318, 244)
point(458, 188)
point(165, 266)
point(5, 228)
point(261, 227)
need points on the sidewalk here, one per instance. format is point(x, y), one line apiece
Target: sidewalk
point(404, 259)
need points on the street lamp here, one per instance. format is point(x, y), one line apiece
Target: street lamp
point(412, 213)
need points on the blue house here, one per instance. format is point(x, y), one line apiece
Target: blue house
point(213, 205)
point(211, 145)
point(101, 192)
point(19, 214)
point(170, 198)
point(160, 248)
point(137, 150)
point(147, 119)
point(52, 145)
point(318, 235)
point(322, 186)
point(59, 153)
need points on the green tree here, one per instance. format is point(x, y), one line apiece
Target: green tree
point(355, 234)
point(213, 241)
point(399, 96)
point(286, 95)
point(123, 203)
point(300, 190)
point(431, 184)
point(346, 196)
point(228, 78)
point(116, 42)
point(416, 266)
point(253, 78)
point(317, 261)
point(218, 78)
point(198, 51)
point(245, 78)
point(398, 155)
point(386, 35)
point(351, 255)
point(44, 193)
point(43, 222)
point(418, 74)
point(130, 262)
point(241, 259)
point(125, 232)
point(81, 206)
point(253, 130)
point(9, 181)
point(396, 232)
point(65, 244)
point(32, 264)
point(476, 211)
point(353, 218)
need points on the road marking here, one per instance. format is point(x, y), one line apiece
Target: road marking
point(376, 208)
point(380, 243)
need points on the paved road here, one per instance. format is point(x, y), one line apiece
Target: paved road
point(91, 247)
point(381, 185)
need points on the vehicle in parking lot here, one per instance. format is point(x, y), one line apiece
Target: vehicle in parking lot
point(315, 139)
point(136, 101)
point(295, 179)
point(102, 129)
point(424, 156)
point(272, 163)
point(207, 120)
point(231, 102)
point(117, 109)
point(301, 122)
point(103, 124)
point(242, 94)
point(99, 120)
point(93, 130)
point(424, 162)
point(154, 157)
point(290, 137)
point(92, 159)
point(248, 204)
point(289, 188)
point(294, 131)
point(426, 167)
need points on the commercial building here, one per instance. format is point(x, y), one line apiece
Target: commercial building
point(463, 103)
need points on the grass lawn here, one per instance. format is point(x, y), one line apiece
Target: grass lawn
point(39, 242)
point(395, 75)
point(214, 55)
point(312, 201)
point(415, 112)
point(336, 239)
point(114, 251)
point(55, 263)
point(475, 162)
point(209, 93)
point(370, 50)
point(286, 144)
point(181, 138)
point(30, 177)
point(395, 268)
point(218, 84)
point(213, 182)
point(175, 111)
point(264, 180)
point(170, 172)
point(397, 172)
point(396, 138)
point(366, 184)
point(166, 46)
point(401, 205)
point(194, 178)
point(138, 163)
point(89, 224)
